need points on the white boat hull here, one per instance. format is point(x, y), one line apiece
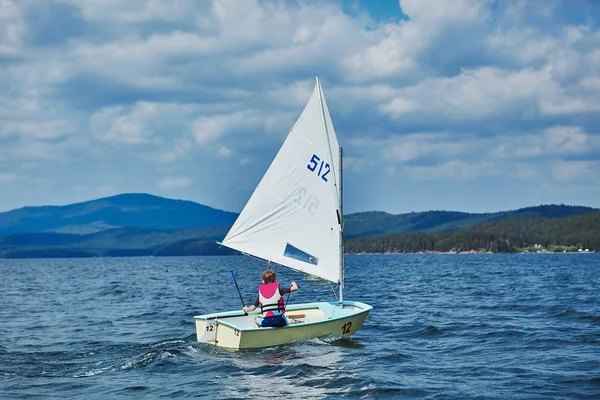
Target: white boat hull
point(234, 330)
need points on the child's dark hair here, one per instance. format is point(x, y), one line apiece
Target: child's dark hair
point(269, 276)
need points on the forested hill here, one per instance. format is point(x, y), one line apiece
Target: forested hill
point(508, 235)
point(379, 223)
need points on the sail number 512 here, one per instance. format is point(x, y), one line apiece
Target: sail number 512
point(323, 169)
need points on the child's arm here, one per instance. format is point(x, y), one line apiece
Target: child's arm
point(252, 307)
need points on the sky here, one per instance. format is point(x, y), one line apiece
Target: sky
point(467, 105)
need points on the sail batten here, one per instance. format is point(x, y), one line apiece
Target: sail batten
point(292, 218)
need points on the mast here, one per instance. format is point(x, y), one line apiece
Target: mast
point(341, 283)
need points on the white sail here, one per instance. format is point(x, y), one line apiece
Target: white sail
point(292, 216)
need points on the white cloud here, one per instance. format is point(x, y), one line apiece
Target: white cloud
point(392, 54)
point(591, 83)
point(43, 129)
point(451, 170)
point(575, 170)
point(125, 129)
point(224, 152)
point(451, 156)
point(132, 11)
point(415, 146)
point(211, 131)
point(567, 139)
point(355, 164)
point(174, 182)
point(12, 28)
point(398, 107)
point(557, 142)
point(562, 104)
point(142, 122)
point(523, 45)
point(28, 150)
point(477, 93)
point(7, 177)
point(526, 171)
point(147, 55)
point(394, 49)
point(180, 148)
point(207, 129)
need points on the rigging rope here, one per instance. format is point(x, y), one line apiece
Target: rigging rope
point(333, 290)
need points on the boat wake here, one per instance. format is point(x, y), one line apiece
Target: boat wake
point(128, 357)
point(340, 341)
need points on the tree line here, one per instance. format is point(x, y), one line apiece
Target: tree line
point(509, 235)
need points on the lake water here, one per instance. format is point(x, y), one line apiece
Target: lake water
point(444, 326)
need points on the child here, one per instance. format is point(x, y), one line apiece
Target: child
point(270, 299)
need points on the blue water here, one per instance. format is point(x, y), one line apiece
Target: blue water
point(444, 326)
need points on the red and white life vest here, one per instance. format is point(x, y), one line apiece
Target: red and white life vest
point(271, 302)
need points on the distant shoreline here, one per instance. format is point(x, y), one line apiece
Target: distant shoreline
point(66, 256)
point(475, 252)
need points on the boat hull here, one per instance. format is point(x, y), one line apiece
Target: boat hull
point(234, 330)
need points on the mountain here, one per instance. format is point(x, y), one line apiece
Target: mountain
point(143, 224)
point(376, 223)
point(124, 210)
point(153, 212)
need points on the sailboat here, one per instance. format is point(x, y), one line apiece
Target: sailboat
point(294, 219)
